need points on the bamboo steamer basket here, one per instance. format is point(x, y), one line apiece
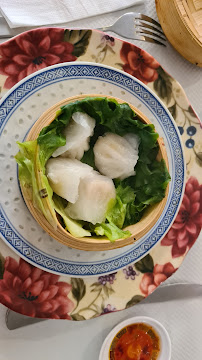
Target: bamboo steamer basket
point(94, 243)
point(181, 21)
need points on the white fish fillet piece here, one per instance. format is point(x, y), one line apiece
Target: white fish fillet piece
point(95, 192)
point(64, 176)
point(133, 140)
point(77, 133)
point(115, 157)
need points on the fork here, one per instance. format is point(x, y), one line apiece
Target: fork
point(138, 27)
point(130, 25)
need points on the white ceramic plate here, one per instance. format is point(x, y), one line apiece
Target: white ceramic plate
point(20, 108)
point(165, 343)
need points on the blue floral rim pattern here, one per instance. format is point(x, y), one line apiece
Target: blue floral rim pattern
point(65, 71)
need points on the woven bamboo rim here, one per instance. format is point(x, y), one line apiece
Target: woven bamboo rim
point(94, 243)
point(181, 21)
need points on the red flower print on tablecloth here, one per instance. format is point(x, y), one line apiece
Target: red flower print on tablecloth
point(33, 51)
point(34, 292)
point(151, 280)
point(139, 63)
point(188, 222)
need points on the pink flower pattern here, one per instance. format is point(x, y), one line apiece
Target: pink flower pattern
point(32, 51)
point(188, 222)
point(34, 292)
point(139, 63)
point(150, 281)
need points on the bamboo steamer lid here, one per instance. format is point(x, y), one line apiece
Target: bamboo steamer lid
point(181, 21)
point(94, 243)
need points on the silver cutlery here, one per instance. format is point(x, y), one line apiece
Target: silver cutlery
point(137, 26)
point(131, 25)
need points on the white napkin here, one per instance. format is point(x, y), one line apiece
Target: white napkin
point(20, 13)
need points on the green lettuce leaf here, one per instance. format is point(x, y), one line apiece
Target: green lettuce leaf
point(117, 213)
point(25, 160)
point(125, 193)
point(73, 226)
point(111, 231)
point(88, 158)
point(26, 172)
point(34, 181)
point(148, 186)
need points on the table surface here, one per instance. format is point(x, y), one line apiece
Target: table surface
point(59, 339)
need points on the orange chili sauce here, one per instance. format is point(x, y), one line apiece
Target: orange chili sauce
point(135, 342)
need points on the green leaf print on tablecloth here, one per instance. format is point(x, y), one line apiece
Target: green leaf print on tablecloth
point(145, 265)
point(78, 38)
point(78, 317)
point(198, 157)
point(163, 85)
point(78, 289)
point(173, 111)
point(1, 266)
point(135, 300)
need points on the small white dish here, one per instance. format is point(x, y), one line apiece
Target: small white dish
point(165, 343)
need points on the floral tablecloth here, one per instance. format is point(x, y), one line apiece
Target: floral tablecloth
point(34, 292)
